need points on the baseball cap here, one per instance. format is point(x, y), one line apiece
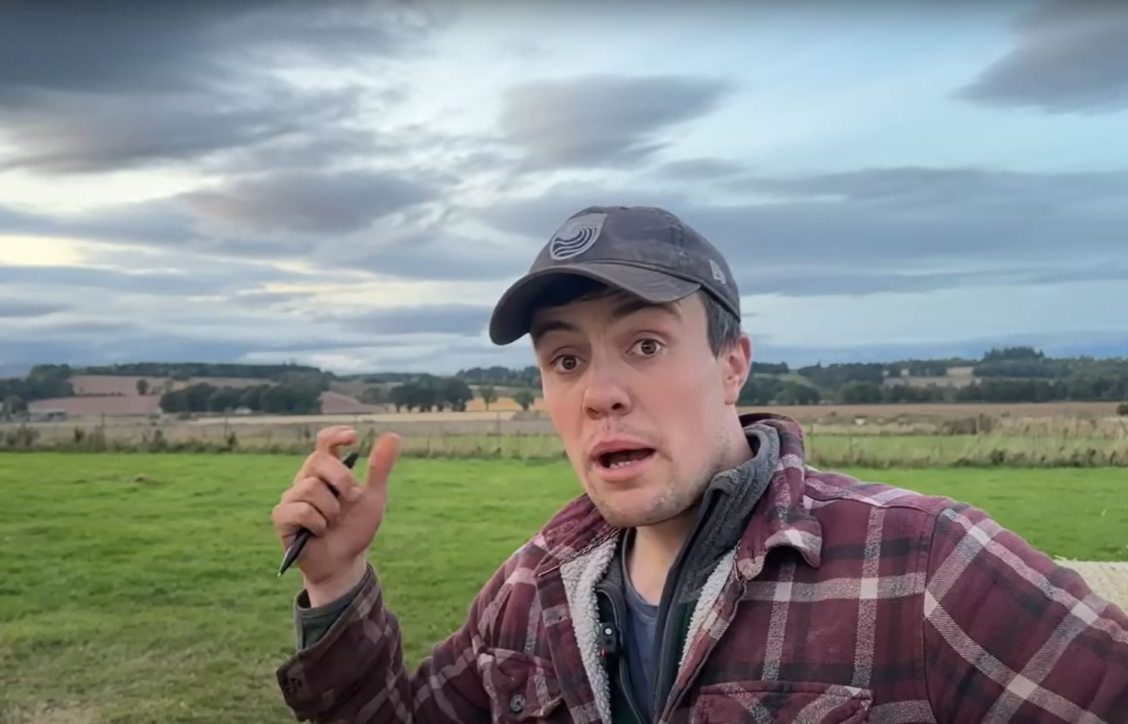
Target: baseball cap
point(644, 251)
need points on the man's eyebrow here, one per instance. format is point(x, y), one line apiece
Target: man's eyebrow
point(540, 329)
point(631, 306)
point(626, 309)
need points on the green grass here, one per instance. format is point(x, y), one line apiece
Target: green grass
point(153, 599)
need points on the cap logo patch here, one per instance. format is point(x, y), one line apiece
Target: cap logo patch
point(576, 236)
point(718, 274)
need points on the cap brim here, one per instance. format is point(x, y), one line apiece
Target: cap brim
point(513, 312)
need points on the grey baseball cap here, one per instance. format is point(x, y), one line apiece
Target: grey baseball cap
point(642, 250)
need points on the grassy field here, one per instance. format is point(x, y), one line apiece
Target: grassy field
point(141, 588)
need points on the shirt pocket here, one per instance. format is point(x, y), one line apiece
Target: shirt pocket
point(781, 701)
point(521, 688)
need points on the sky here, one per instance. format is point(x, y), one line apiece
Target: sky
point(353, 185)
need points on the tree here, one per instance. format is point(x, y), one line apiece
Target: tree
point(373, 395)
point(13, 405)
point(859, 393)
point(1012, 353)
point(142, 386)
point(489, 394)
point(400, 396)
point(524, 398)
point(457, 393)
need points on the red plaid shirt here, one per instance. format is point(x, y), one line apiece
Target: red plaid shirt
point(843, 602)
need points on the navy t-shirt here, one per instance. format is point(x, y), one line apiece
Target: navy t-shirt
point(642, 618)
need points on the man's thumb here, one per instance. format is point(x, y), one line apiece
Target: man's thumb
point(381, 459)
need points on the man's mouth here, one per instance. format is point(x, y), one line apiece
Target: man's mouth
point(619, 459)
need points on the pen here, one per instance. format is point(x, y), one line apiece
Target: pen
point(303, 535)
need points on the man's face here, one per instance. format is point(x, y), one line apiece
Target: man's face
point(642, 405)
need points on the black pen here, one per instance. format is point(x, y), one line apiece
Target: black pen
point(303, 535)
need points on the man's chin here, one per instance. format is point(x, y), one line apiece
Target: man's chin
point(635, 514)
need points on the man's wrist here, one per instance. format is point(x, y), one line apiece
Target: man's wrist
point(326, 592)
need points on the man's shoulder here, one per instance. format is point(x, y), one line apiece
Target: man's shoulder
point(847, 494)
point(571, 530)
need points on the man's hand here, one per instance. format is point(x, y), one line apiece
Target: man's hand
point(343, 527)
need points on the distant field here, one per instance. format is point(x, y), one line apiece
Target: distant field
point(141, 588)
point(955, 409)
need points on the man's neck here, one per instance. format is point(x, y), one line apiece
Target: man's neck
point(656, 547)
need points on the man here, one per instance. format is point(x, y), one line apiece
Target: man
point(707, 574)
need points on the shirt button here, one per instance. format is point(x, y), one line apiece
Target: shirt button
point(517, 703)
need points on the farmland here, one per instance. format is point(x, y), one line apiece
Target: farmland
point(140, 588)
point(921, 435)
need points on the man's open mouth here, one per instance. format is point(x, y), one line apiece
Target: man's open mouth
point(616, 459)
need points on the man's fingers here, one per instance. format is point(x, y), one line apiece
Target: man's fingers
point(330, 469)
point(333, 437)
point(289, 517)
point(381, 459)
point(316, 492)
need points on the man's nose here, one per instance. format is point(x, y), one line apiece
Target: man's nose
point(605, 394)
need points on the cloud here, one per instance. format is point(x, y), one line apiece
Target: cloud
point(700, 169)
point(602, 120)
point(309, 202)
point(99, 86)
point(18, 308)
point(71, 132)
point(1055, 344)
point(1071, 56)
point(898, 229)
point(458, 319)
point(165, 283)
point(437, 254)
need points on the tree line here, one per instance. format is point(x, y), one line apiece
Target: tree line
point(1007, 374)
point(185, 370)
point(290, 399)
point(427, 393)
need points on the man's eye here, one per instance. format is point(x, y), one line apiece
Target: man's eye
point(647, 347)
point(566, 363)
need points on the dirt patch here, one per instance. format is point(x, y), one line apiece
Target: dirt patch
point(1107, 579)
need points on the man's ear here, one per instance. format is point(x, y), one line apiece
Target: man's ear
point(736, 362)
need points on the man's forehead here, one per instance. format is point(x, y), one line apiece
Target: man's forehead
point(613, 303)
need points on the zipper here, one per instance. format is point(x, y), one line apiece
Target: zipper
point(620, 661)
point(665, 675)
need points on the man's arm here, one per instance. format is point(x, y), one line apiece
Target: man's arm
point(1009, 635)
point(355, 672)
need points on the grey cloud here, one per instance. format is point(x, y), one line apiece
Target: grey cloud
point(698, 169)
point(437, 254)
point(602, 120)
point(937, 187)
point(121, 343)
point(77, 133)
point(1071, 56)
point(272, 217)
point(812, 281)
point(139, 46)
point(200, 277)
point(538, 217)
point(1054, 344)
point(887, 229)
point(107, 279)
point(264, 300)
point(90, 86)
point(458, 319)
point(309, 202)
point(19, 308)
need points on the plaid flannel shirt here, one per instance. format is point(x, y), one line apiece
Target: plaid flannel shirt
point(843, 602)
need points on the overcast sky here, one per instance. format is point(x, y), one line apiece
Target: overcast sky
point(353, 186)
